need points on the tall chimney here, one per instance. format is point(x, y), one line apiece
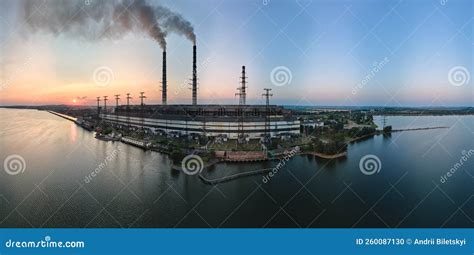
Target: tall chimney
point(163, 82)
point(194, 77)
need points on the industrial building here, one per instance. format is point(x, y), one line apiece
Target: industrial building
point(231, 121)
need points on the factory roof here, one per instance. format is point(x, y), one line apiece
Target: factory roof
point(205, 111)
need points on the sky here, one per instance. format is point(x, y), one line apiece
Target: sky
point(320, 52)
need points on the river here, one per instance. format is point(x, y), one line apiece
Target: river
point(59, 175)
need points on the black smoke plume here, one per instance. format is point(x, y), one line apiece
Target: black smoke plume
point(98, 19)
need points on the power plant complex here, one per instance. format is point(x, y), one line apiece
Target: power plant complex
point(240, 121)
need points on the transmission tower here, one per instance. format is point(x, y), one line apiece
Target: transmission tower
point(267, 96)
point(98, 106)
point(128, 101)
point(142, 96)
point(105, 104)
point(128, 108)
point(117, 98)
point(241, 109)
point(242, 89)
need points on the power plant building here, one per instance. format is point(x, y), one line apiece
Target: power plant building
point(233, 121)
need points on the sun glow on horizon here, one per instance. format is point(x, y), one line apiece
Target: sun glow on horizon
point(326, 62)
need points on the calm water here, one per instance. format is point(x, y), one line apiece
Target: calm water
point(134, 188)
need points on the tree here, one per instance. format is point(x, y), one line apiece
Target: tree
point(176, 155)
point(387, 129)
point(337, 145)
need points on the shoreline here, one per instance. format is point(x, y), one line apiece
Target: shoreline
point(231, 177)
point(241, 155)
point(424, 114)
point(325, 156)
point(380, 132)
point(67, 117)
point(404, 111)
point(264, 158)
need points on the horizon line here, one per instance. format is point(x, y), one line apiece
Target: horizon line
point(291, 105)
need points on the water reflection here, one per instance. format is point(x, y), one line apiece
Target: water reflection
point(73, 135)
point(139, 189)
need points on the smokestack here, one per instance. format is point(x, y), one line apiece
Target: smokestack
point(194, 76)
point(163, 83)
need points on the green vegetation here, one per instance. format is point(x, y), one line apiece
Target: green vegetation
point(232, 145)
point(362, 118)
point(359, 132)
point(339, 128)
point(326, 133)
point(334, 146)
point(177, 155)
point(387, 129)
